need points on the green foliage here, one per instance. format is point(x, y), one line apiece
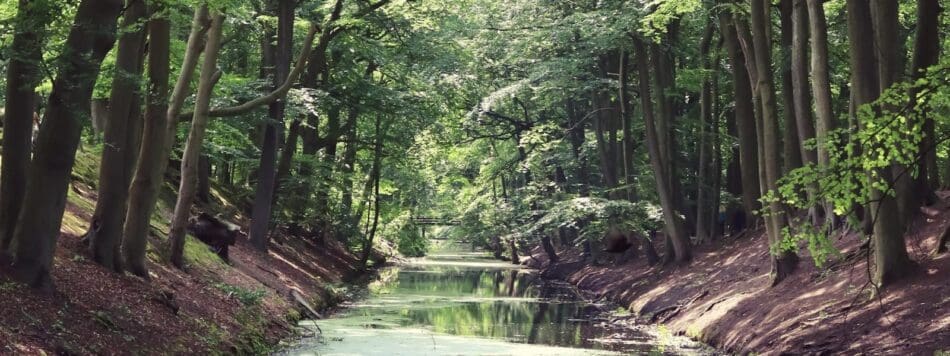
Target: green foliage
point(595, 217)
point(197, 253)
point(816, 238)
point(889, 134)
point(252, 339)
point(406, 235)
point(210, 333)
point(664, 13)
point(247, 297)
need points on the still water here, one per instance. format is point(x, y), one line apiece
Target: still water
point(456, 302)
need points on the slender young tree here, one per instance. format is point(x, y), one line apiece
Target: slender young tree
point(190, 157)
point(90, 39)
point(629, 142)
point(375, 177)
point(704, 193)
point(349, 167)
point(161, 125)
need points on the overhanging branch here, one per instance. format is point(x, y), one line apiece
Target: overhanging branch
point(273, 96)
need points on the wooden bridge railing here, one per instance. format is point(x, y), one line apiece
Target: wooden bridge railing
point(430, 221)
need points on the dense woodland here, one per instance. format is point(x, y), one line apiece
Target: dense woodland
point(602, 125)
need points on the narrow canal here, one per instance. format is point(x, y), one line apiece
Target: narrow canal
point(456, 302)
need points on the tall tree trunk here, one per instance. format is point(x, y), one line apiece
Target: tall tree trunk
point(23, 75)
point(605, 123)
point(203, 193)
point(329, 161)
point(663, 63)
point(706, 118)
point(745, 42)
point(889, 48)
point(821, 84)
point(804, 117)
point(802, 94)
point(377, 172)
point(784, 262)
point(159, 132)
point(664, 112)
point(927, 54)
point(189, 160)
point(577, 136)
point(628, 144)
point(604, 144)
point(264, 196)
point(675, 230)
point(287, 156)
point(118, 156)
point(890, 252)
point(792, 151)
point(90, 39)
point(316, 77)
point(349, 167)
point(714, 225)
point(744, 116)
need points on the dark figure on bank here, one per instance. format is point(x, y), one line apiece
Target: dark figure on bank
point(616, 242)
point(215, 233)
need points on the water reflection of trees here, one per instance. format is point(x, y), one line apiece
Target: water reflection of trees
point(539, 321)
point(467, 283)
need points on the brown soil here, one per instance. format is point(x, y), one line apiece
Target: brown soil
point(94, 311)
point(723, 297)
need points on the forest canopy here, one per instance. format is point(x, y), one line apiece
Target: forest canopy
point(672, 123)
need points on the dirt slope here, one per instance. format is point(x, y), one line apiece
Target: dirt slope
point(723, 299)
point(245, 307)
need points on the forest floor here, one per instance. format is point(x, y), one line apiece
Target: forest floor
point(723, 297)
point(245, 307)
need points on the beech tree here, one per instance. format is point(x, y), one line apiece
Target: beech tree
point(90, 39)
point(744, 114)
point(121, 140)
point(191, 156)
point(675, 229)
point(161, 126)
point(870, 74)
point(199, 123)
point(783, 262)
point(821, 85)
point(23, 75)
point(264, 196)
